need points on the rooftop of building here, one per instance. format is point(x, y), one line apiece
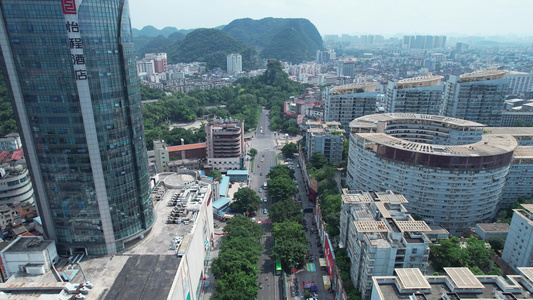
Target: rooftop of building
point(523, 152)
point(514, 131)
point(353, 88)
point(187, 147)
point(321, 128)
point(490, 145)
point(237, 172)
point(371, 121)
point(27, 244)
point(494, 227)
point(149, 267)
point(456, 283)
point(483, 75)
point(357, 196)
point(421, 81)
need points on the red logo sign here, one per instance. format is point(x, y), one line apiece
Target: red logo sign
point(69, 7)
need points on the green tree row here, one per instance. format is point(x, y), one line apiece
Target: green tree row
point(235, 268)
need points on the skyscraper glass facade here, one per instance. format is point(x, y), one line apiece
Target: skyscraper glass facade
point(71, 68)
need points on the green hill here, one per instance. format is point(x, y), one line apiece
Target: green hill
point(151, 31)
point(291, 40)
point(211, 46)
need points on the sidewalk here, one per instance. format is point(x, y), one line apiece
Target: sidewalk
point(209, 291)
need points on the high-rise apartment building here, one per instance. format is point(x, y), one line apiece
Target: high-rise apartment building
point(71, 68)
point(477, 96)
point(518, 249)
point(225, 144)
point(423, 41)
point(234, 63)
point(452, 173)
point(380, 236)
point(347, 102)
point(421, 95)
point(159, 61)
point(520, 82)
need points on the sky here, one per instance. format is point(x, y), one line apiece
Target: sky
point(386, 17)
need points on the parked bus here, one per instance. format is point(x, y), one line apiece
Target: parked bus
point(278, 267)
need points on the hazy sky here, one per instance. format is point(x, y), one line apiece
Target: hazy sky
point(387, 17)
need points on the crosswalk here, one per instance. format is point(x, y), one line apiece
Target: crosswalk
point(311, 267)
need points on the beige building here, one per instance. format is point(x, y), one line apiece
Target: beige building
point(225, 144)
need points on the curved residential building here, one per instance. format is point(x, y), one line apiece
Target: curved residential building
point(450, 173)
point(15, 186)
point(71, 69)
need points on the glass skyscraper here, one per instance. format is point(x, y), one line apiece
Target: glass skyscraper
point(71, 68)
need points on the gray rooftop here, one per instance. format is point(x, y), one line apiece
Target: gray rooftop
point(27, 244)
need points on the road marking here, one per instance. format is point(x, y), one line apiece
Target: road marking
point(311, 267)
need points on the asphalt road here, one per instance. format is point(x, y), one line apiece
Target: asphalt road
point(266, 157)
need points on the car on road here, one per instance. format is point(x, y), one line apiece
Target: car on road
point(262, 159)
point(260, 285)
point(265, 211)
point(260, 190)
point(261, 174)
point(265, 199)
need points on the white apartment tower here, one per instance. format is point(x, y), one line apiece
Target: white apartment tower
point(234, 62)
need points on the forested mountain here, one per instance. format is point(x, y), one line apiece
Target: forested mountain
point(151, 31)
point(211, 46)
point(292, 40)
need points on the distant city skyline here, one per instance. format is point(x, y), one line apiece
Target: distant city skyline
point(385, 17)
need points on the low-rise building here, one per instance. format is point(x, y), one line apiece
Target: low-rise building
point(487, 231)
point(380, 236)
point(30, 255)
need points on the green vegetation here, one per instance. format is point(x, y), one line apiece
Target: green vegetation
point(237, 260)
point(7, 116)
point(180, 107)
point(449, 253)
point(252, 152)
point(289, 149)
point(293, 40)
point(505, 216)
point(281, 187)
point(216, 174)
point(211, 46)
point(342, 261)
point(328, 193)
point(246, 201)
point(497, 244)
point(291, 243)
point(285, 210)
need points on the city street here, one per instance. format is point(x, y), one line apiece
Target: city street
point(265, 143)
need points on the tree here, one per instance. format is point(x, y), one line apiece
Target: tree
point(291, 243)
point(318, 160)
point(289, 149)
point(446, 254)
point(281, 187)
point(253, 152)
point(280, 170)
point(216, 174)
point(497, 244)
point(331, 213)
point(477, 253)
point(246, 200)
point(285, 210)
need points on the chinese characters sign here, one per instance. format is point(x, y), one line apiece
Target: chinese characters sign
point(75, 43)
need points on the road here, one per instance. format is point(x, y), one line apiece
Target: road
point(265, 143)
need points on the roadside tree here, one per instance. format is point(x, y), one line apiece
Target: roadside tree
point(246, 200)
